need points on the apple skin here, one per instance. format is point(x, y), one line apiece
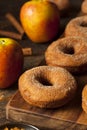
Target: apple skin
point(40, 20)
point(11, 62)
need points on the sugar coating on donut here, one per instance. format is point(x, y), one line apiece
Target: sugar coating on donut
point(77, 27)
point(84, 98)
point(68, 52)
point(84, 6)
point(47, 86)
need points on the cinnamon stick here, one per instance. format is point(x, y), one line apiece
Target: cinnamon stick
point(14, 22)
point(11, 34)
point(27, 51)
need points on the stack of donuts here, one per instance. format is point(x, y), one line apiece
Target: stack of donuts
point(54, 85)
point(70, 52)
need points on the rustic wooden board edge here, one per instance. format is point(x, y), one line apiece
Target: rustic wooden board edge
point(36, 120)
point(10, 109)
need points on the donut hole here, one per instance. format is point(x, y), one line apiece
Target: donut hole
point(68, 50)
point(84, 24)
point(44, 81)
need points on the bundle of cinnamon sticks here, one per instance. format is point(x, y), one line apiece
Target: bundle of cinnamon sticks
point(17, 25)
point(19, 36)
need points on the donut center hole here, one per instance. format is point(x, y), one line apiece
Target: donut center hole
point(84, 24)
point(44, 81)
point(68, 50)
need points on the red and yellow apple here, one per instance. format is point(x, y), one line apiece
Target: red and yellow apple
point(40, 20)
point(11, 61)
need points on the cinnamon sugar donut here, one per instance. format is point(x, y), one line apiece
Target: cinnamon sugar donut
point(47, 86)
point(77, 27)
point(68, 52)
point(84, 98)
point(84, 6)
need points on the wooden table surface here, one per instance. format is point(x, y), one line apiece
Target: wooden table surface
point(13, 6)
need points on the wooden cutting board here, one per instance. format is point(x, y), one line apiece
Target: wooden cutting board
point(18, 110)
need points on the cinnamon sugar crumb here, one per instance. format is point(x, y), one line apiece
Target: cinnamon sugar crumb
point(1, 97)
point(15, 128)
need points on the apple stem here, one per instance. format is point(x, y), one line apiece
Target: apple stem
point(2, 42)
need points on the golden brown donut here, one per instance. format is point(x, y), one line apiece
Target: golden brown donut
point(84, 98)
point(84, 6)
point(77, 27)
point(47, 86)
point(68, 52)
